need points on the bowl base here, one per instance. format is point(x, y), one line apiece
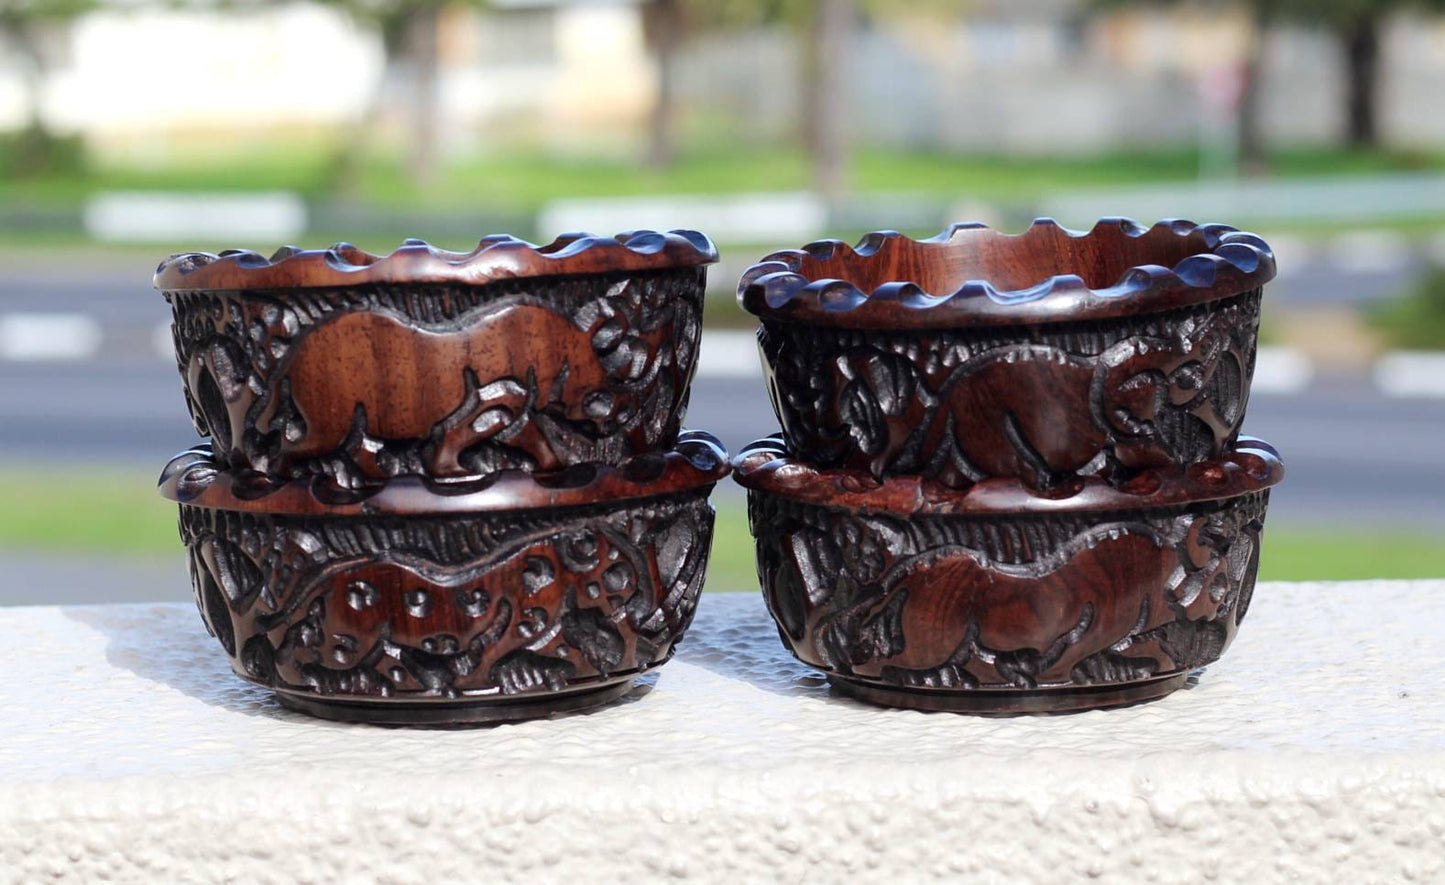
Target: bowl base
point(459, 712)
point(1045, 700)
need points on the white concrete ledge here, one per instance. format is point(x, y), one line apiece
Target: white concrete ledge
point(1314, 751)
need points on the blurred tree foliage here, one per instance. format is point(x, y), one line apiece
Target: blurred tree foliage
point(825, 27)
point(409, 32)
point(1415, 321)
point(35, 31)
point(1355, 24)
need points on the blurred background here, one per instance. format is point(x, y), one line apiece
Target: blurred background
point(131, 129)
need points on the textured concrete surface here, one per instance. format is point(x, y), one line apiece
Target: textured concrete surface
point(1314, 751)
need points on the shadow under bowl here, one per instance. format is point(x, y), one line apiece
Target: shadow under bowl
point(1040, 357)
point(998, 600)
point(418, 605)
point(423, 362)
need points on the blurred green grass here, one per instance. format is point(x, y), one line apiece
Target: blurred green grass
point(375, 205)
point(523, 180)
point(1416, 319)
point(118, 512)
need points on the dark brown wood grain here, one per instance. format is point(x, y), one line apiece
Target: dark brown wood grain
point(769, 466)
point(997, 600)
point(498, 257)
point(973, 275)
point(432, 364)
point(697, 461)
point(887, 359)
point(426, 605)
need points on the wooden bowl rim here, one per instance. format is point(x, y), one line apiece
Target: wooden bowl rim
point(775, 288)
point(697, 461)
point(1252, 465)
point(496, 257)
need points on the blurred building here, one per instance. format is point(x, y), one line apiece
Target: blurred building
point(1034, 77)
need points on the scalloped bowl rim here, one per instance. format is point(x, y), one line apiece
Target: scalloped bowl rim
point(496, 257)
point(698, 460)
point(1236, 262)
point(1251, 465)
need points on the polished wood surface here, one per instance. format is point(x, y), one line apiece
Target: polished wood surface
point(498, 257)
point(411, 608)
point(698, 461)
point(361, 375)
point(1000, 601)
point(975, 276)
point(445, 488)
point(769, 466)
point(1047, 385)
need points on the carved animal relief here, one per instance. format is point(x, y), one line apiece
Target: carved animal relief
point(1008, 603)
point(365, 383)
point(1043, 405)
point(450, 607)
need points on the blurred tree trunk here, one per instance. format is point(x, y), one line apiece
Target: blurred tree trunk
point(1251, 129)
point(351, 153)
point(825, 94)
point(423, 52)
point(810, 81)
point(32, 73)
point(662, 22)
point(35, 35)
point(1361, 37)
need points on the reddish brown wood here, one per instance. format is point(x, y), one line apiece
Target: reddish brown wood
point(971, 275)
point(423, 604)
point(360, 368)
point(768, 466)
point(997, 600)
point(496, 258)
point(195, 478)
point(1046, 357)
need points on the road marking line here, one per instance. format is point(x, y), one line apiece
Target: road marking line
point(786, 217)
point(1291, 253)
point(1370, 251)
point(164, 341)
point(163, 216)
point(730, 354)
point(1411, 373)
point(1281, 370)
point(48, 336)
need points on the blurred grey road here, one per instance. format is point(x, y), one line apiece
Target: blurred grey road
point(118, 294)
point(1353, 455)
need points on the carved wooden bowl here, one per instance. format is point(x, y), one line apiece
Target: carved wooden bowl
point(417, 602)
point(1041, 357)
point(996, 599)
point(423, 362)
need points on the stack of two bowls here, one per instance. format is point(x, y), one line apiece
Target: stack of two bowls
point(1010, 476)
point(445, 487)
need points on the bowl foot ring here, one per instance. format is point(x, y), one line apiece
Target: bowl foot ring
point(1048, 700)
point(462, 711)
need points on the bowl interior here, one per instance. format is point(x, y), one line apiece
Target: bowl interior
point(941, 266)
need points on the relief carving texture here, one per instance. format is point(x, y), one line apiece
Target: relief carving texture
point(553, 372)
point(443, 607)
point(1104, 398)
point(1008, 602)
